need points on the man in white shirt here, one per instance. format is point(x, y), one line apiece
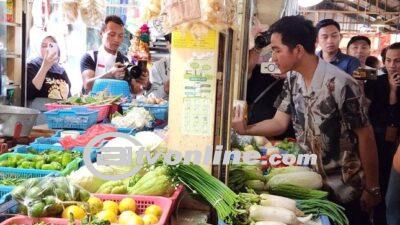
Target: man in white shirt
point(159, 76)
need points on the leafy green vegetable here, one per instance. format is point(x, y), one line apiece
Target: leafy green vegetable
point(100, 98)
point(319, 207)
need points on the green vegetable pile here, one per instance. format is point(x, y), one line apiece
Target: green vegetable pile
point(47, 196)
point(101, 98)
point(244, 176)
point(156, 182)
point(289, 146)
point(11, 181)
point(319, 207)
point(48, 160)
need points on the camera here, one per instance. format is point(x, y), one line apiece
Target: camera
point(263, 40)
point(365, 74)
point(269, 68)
point(134, 71)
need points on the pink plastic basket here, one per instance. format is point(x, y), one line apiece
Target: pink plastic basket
point(29, 220)
point(142, 202)
point(175, 196)
point(103, 109)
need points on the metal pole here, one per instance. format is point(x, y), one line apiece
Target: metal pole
point(226, 100)
point(246, 24)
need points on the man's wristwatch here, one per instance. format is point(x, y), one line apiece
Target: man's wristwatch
point(375, 191)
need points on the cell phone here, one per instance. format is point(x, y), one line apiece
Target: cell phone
point(52, 48)
point(365, 74)
point(269, 68)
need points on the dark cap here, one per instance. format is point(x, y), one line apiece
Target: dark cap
point(359, 38)
point(327, 22)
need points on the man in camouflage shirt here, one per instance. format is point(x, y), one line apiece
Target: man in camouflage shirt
point(326, 108)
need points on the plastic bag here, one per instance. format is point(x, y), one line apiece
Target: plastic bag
point(82, 140)
point(47, 197)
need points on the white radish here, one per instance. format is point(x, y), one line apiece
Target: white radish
point(269, 213)
point(269, 223)
point(278, 201)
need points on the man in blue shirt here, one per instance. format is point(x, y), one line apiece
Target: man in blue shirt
point(329, 38)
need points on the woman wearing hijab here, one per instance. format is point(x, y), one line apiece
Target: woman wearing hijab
point(47, 81)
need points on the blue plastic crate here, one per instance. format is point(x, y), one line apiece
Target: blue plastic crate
point(114, 87)
point(8, 172)
point(24, 149)
point(8, 207)
point(42, 144)
point(160, 112)
point(79, 118)
point(121, 130)
point(5, 190)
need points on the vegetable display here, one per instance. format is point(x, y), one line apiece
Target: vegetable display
point(11, 181)
point(45, 197)
point(101, 98)
point(136, 118)
point(48, 160)
point(324, 207)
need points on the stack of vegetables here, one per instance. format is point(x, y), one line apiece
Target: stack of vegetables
point(101, 98)
point(277, 189)
point(136, 118)
point(268, 209)
point(56, 197)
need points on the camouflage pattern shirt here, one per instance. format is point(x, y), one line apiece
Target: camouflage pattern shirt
point(324, 116)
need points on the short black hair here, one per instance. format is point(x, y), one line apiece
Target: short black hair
point(394, 46)
point(327, 22)
point(372, 61)
point(112, 18)
point(359, 38)
point(168, 37)
point(296, 30)
point(383, 53)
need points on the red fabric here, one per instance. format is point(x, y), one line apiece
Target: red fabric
point(83, 140)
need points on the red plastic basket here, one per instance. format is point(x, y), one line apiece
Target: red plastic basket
point(142, 202)
point(103, 109)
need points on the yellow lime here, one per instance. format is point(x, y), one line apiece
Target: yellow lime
point(127, 204)
point(135, 220)
point(107, 215)
point(153, 210)
point(125, 217)
point(96, 205)
point(77, 212)
point(110, 206)
point(149, 219)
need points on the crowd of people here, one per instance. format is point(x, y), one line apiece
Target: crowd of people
point(47, 81)
point(352, 125)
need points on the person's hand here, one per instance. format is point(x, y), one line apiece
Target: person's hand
point(394, 80)
point(50, 58)
point(369, 201)
point(117, 71)
point(166, 87)
point(239, 123)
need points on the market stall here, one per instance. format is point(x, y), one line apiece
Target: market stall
point(114, 155)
